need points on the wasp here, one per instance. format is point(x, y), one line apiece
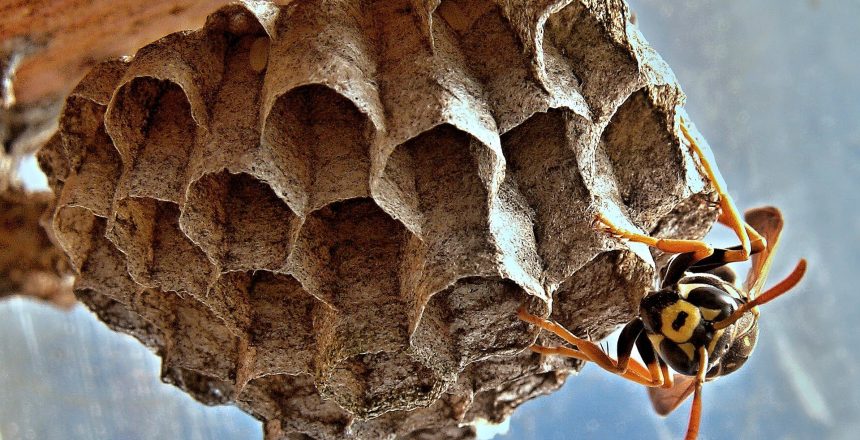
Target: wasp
point(699, 322)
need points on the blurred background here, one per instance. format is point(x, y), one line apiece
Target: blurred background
point(774, 85)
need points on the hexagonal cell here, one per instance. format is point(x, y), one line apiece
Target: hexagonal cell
point(589, 43)
point(348, 255)
point(214, 351)
point(542, 159)
point(73, 227)
point(95, 163)
point(612, 283)
point(151, 123)
point(646, 159)
point(239, 222)
point(471, 321)
point(159, 254)
point(506, 75)
point(104, 268)
point(370, 384)
point(439, 170)
point(295, 407)
point(405, 423)
point(321, 139)
point(283, 317)
point(233, 141)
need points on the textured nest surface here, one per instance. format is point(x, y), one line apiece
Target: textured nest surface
point(328, 212)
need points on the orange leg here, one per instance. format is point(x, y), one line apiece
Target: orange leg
point(589, 351)
point(696, 412)
point(668, 382)
point(635, 372)
point(676, 246)
point(730, 215)
point(757, 242)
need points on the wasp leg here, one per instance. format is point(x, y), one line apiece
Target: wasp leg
point(589, 351)
point(668, 381)
point(677, 267)
point(635, 373)
point(634, 333)
point(729, 215)
point(648, 354)
point(698, 248)
point(696, 412)
point(715, 262)
point(757, 242)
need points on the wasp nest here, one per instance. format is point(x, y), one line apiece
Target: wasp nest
point(328, 212)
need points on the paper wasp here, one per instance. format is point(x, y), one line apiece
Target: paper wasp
point(699, 323)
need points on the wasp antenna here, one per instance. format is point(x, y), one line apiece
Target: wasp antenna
point(785, 285)
point(770, 294)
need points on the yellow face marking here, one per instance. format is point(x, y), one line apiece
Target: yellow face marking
point(717, 336)
point(746, 341)
point(670, 314)
point(689, 350)
point(684, 288)
point(709, 314)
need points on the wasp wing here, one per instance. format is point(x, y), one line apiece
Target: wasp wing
point(767, 221)
point(665, 400)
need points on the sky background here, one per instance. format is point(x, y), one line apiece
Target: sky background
point(774, 85)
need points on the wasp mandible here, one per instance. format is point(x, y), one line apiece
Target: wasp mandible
point(699, 323)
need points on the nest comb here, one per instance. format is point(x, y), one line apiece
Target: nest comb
point(328, 212)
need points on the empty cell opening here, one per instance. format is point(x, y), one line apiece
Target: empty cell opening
point(321, 140)
point(239, 222)
point(472, 320)
point(349, 255)
point(235, 119)
point(200, 341)
point(606, 72)
point(159, 253)
point(95, 163)
point(282, 324)
point(494, 54)
point(353, 249)
point(440, 165)
point(374, 383)
point(608, 289)
point(156, 134)
point(73, 226)
point(104, 267)
point(295, 402)
point(228, 299)
point(541, 159)
point(646, 161)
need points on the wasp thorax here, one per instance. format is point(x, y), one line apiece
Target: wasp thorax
point(680, 320)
